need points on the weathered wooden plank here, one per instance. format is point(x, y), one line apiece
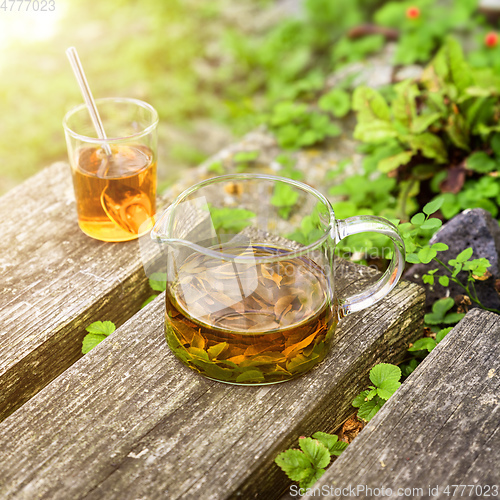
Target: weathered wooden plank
point(55, 281)
point(130, 421)
point(442, 426)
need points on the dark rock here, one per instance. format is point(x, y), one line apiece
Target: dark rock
point(474, 228)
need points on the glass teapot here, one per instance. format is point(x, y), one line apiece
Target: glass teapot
point(253, 293)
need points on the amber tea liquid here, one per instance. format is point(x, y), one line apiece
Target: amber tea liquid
point(250, 323)
point(114, 195)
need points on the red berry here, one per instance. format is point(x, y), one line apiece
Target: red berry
point(412, 12)
point(491, 39)
point(302, 437)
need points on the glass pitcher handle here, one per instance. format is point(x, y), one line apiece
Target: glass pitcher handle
point(369, 223)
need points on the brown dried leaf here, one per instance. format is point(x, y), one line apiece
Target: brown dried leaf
point(485, 276)
point(293, 349)
point(350, 429)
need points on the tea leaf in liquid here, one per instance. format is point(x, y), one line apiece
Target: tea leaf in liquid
point(246, 323)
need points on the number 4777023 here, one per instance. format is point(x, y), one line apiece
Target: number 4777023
point(28, 5)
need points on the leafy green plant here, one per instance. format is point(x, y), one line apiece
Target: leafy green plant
point(419, 250)
point(97, 332)
point(308, 464)
point(424, 24)
point(442, 126)
point(296, 125)
point(385, 379)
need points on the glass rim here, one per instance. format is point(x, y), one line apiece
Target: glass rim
point(236, 258)
point(111, 140)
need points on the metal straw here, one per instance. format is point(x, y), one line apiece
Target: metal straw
point(76, 65)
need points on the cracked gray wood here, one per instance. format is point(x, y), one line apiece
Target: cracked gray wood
point(129, 421)
point(441, 427)
point(55, 282)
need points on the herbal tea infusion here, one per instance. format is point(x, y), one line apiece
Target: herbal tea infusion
point(115, 195)
point(253, 303)
point(250, 322)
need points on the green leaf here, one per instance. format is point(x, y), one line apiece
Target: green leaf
point(412, 258)
point(158, 281)
point(431, 224)
point(148, 300)
point(251, 376)
point(424, 344)
point(444, 280)
point(452, 318)
point(393, 162)
point(337, 102)
point(370, 408)
point(293, 463)
point(495, 144)
point(369, 102)
point(216, 349)
point(216, 168)
point(418, 219)
point(245, 156)
point(422, 122)
point(433, 206)
point(388, 388)
point(426, 254)
point(481, 162)
point(90, 341)
point(440, 247)
point(310, 478)
point(384, 372)
point(459, 69)
point(442, 333)
point(428, 279)
point(315, 451)
point(430, 145)
point(338, 448)
point(409, 368)
point(230, 219)
point(101, 327)
point(465, 255)
point(284, 196)
point(334, 446)
point(442, 306)
point(360, 399)
point(376, 131)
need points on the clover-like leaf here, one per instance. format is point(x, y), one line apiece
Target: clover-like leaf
point(465, 255)
point(433, 206)
point(418, 219)
point(432, 224)
point(444, 280)
point(426, 254)
point(440, 247)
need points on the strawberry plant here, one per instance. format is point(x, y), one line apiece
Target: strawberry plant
point(385, 379)
point(308, 464)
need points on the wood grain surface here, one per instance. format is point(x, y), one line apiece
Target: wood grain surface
point(129, 421)
point(55, 282)
point(441, 427)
